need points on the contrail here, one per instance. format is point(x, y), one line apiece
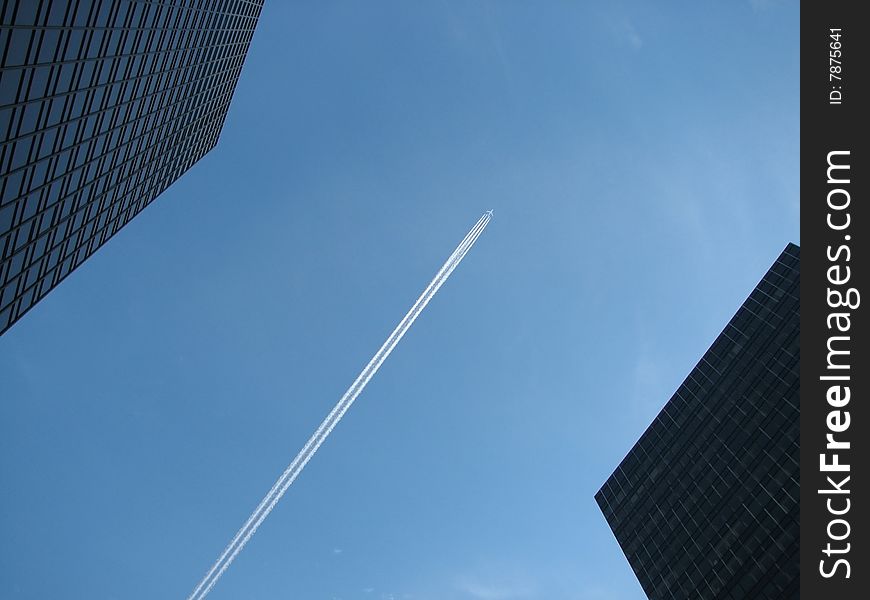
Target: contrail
point(328, 424)
point(348, 397)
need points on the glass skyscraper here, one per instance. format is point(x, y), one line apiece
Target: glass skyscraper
point(103, 104)
point(705, 505)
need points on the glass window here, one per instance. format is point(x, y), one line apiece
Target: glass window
point(48, 46)
point(74, 47)
point(9, 82)
point(21, 153)
point(16, 52)
point(12, 187)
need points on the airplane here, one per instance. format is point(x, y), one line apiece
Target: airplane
point(489, 212)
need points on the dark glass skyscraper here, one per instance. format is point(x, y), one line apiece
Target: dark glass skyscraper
point(705, 505)
point(103, 104)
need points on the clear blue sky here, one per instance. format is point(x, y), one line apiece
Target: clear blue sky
point(642, 161)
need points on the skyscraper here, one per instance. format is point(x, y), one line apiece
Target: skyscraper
point(103, 104)
point(705, 505)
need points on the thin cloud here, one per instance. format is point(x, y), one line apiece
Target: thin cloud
point(626, 34)
point(631, 36)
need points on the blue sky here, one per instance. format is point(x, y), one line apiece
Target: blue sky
point(642, 161)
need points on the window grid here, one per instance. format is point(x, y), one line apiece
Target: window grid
point(103, 104)
point(706, 503)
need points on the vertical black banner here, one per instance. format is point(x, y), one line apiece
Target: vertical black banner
point(835, 369)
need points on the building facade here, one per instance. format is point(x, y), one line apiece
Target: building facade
point(705, 505)
point(103, 104)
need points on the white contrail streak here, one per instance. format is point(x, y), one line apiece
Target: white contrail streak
point(349, 395)
point(325, 428)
